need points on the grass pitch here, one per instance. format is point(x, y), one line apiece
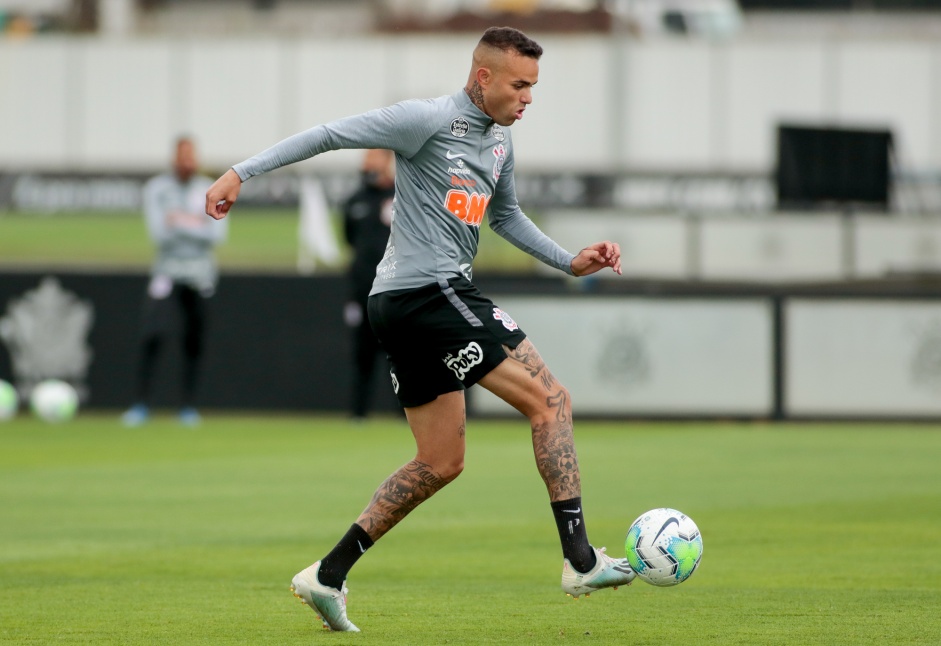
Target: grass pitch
point(260, 240)
point(813, 534)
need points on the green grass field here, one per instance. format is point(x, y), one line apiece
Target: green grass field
point(260, 240)
point(813, 534)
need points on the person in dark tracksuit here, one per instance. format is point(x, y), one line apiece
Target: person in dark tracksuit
point(367, 219)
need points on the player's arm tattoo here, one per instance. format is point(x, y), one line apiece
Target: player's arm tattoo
point(401, 492)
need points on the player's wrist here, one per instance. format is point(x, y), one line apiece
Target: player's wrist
point(234, 171)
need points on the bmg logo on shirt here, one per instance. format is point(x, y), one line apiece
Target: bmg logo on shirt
point(468, 207)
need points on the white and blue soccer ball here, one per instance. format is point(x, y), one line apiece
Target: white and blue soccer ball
point(54, 401)
point(664, 546)
point(9, 401)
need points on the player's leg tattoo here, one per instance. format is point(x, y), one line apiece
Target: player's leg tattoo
point(554, 445)
point(553, 438)
point(395, 498)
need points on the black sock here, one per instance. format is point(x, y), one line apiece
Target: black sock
point(337, 564)
point(571, 524)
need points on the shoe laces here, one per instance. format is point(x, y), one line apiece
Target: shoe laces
point(603, 556)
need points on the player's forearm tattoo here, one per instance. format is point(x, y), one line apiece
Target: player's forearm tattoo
point(476, 95)
point(404, 490)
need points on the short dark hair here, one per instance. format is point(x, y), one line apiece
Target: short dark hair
point(508, 38)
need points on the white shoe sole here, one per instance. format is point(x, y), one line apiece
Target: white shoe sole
point(304, 589)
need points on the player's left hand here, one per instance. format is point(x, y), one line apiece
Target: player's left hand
point(596, 257)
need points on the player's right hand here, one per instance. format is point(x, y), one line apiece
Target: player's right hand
point(222, 194)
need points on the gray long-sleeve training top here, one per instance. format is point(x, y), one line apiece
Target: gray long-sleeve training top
point(453, 166)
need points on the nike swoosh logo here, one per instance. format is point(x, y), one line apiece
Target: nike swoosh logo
point(669, 520)
point(451, 155)
point(573, 511)
point(361, 547)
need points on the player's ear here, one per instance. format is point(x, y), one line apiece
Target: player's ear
point(484, 76)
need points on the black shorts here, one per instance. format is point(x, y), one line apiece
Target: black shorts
point(440, 338)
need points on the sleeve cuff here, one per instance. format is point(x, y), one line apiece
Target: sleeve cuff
point(241, 172)
point(568, 265)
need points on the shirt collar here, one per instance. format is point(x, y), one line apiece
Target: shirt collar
point(474, 114)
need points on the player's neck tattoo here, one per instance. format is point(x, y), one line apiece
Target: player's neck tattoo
point(476, 94)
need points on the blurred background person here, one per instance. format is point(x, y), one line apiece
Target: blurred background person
point(183, 276)
point(367, 219)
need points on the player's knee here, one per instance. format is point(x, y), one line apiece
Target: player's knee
point(443, 468)
point(558, 405)
point(451, 469)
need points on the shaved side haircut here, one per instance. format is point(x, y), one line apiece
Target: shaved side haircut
point(508, 39)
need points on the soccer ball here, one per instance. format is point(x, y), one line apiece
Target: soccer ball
point(664, 546)
point(53, 400)
point(9, 401)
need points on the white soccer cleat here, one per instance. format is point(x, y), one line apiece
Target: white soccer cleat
point(329, 603)
point(607, 573)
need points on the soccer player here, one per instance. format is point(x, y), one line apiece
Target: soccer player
point(367, 218)
point(454, 165)
point(182, 278)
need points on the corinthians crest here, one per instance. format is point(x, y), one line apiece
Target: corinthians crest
point(624, 358)
point(46, 332)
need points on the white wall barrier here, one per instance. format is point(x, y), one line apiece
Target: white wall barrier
point(844, 358)
point(660, 357)
point(861, 358)
point(603, 103)
point(887, 247)
point(655, 246)
point(626, 355)
point(782, 248)
point(772, 249)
